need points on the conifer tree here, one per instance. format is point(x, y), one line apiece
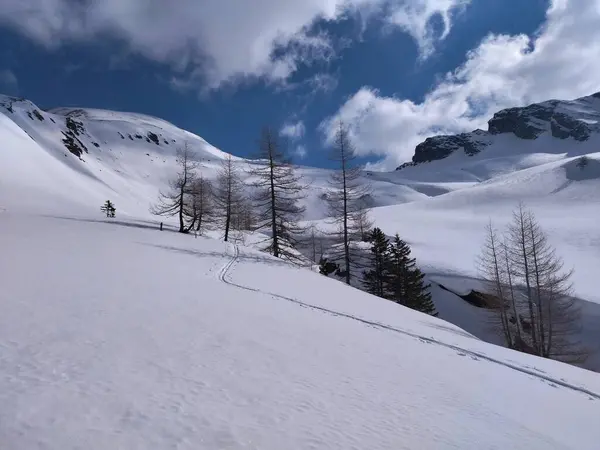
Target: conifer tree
point(327, 267)
point(109, 209)
point(173, 202)
point(406, 282)
point(199, 207)
point(553, 315)
point(278, 190)
point(346, 200)
point(376, 280)
point(228, 194)
point(364, 223)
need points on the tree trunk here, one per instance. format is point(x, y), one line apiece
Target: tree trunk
point(346, 243)
point(512, 295)
point(525, 257)
point(199, 222)
point(273, 210)
point(181, 204)
point(228, 216)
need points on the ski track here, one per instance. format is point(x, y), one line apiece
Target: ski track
point(226, 269)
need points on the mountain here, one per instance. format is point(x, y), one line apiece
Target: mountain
point(127, 157)
point(577, 121)
point(114, 334)
point(68, 161)
point(84, 156)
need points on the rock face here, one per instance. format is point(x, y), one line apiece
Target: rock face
point(578, 120)
point(439, 147)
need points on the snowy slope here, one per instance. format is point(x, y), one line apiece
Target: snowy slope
point(439, 207)
point(113, 335)
point(125, 157)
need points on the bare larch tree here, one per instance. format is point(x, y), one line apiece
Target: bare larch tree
point(200, 207)
point(497, 275)
point(277, 193)
point(346, 199)
point(537, 311)
point(229, 194)
point(173, 202)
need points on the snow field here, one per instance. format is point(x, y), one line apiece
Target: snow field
point(149, 348)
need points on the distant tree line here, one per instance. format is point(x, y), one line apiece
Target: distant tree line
point(270, 202)
point(532, 306)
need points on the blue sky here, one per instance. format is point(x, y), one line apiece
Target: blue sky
point(381, 66)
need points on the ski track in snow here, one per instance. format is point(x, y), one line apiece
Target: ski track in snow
point(227, 268)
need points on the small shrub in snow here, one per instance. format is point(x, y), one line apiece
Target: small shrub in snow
point(109, 209)
point(583, 162)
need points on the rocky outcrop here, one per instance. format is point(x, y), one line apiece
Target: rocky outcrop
point(439, 147)
point(563, 119)
point(578, 120)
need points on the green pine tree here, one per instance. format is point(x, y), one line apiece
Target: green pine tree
point(406, 281)
point(376, 279)
point(327, 267)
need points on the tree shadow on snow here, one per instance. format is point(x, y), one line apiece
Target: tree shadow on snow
point(143, 224)
point(206, 254)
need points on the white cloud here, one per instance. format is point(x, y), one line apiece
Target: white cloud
point(561, 61)
point(293, 131)
point(8, 82)
point(322, 82)
point(300, 151)
point(215, 41)
point(414, 17)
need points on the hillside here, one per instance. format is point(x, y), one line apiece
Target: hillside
point(132, 338)
point(95, 154)
point(68, 161)
point(546, 155)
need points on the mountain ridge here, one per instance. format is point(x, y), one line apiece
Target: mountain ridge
point(577, 119)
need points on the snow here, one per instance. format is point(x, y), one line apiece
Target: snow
point(115, 335)
point(129, 171)
point(133, 338)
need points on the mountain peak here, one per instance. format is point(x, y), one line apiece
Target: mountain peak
point(576, 119)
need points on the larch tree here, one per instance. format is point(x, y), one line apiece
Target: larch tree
point(553, 315)
point(173, 202)
point(346, 199)
point(200, 207)
point(229, 194)
point(316, 245)
point(493, 267)
point(242, 216)
point(277, 194)
point(364, 223)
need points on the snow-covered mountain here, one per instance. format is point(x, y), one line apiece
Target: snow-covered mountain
point(67, 160)
point(115, 335)
point(577, 121)
point(84, 156)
